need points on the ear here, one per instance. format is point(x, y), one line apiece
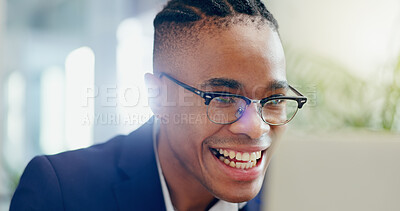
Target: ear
point(154, 94)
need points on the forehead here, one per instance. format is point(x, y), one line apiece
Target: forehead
point(247, 54)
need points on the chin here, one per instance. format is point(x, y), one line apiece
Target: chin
point(238, 196)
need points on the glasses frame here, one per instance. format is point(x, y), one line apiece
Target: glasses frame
point(208, 96)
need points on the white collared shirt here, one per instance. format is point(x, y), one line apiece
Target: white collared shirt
point(221, 205)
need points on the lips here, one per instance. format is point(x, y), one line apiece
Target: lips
point(236, 159)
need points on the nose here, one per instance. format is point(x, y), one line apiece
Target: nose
point(250, 124)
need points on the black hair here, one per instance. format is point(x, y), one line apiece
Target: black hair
point(188, 11)
point(178, 24)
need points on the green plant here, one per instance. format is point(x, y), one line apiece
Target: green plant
point(338, 99)
point(392, 100)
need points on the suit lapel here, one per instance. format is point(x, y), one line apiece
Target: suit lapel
point(140, 188)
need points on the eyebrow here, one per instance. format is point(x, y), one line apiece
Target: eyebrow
point(234, 84)
point(278, 85)
point(224, 82)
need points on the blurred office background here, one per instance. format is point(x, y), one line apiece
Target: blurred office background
point(71, 75)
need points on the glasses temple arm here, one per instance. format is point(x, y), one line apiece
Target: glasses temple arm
point(303, 99)
point(187, 87)
point(295, 91)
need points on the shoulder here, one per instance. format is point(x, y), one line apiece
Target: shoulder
point(54, 182)
point(37, 182)
point(78, 178)
point(101, 154)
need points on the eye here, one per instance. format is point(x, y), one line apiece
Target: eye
point(275, 102)
point(225, 100)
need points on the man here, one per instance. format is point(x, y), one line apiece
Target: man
point(223, 100)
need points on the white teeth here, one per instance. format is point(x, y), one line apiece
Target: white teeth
point(226, 161)
point(258, 154)
point(238, 165)
point(232, 154)
point(238, 156)
point(245, 156)
point(249, 158)
point(253, 156)
point(226, 153)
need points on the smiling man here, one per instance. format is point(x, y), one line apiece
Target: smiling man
point(221, 103)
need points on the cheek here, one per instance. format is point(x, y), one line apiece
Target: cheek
point(187, 112)
point(186, 140)
point(183, 108)
point(189, 125)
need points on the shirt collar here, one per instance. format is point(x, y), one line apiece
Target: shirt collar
point(221, 205)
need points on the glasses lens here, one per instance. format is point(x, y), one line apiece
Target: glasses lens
point(279, 111)
point(226, 109)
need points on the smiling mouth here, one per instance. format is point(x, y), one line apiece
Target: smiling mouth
point(239, 160)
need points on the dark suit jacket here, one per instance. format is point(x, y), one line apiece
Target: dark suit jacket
point(120, 174)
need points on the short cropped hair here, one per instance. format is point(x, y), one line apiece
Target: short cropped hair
point(178, 25)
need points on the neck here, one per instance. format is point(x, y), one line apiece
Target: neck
point(186, 192)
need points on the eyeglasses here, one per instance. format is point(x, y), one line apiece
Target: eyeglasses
point(226, 108)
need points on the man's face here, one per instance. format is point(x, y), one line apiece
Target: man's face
point(245, 61)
